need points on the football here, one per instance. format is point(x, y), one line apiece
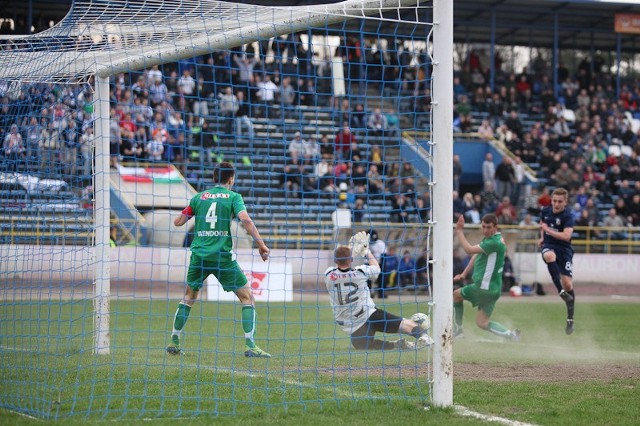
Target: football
point(422, 319)
point(515, 291)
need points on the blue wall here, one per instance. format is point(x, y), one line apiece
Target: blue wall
point(471, 152)
point(472, 155)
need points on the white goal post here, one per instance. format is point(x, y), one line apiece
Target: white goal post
point(442, 137)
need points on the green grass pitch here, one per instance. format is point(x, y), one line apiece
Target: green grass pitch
point(48, 369)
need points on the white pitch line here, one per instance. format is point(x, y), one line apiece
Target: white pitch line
point(16, 349)
point(459, 409)
point(252, 375)
point(22, 414)
point(630, 355)
point(611, 352)
point(464, 411)
point(151, 419)
point(333, 390)
point(622, 297)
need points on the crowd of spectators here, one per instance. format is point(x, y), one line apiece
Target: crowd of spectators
point(586, 139)
point(162, 113)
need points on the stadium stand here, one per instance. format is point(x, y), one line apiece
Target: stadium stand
point(586, 126)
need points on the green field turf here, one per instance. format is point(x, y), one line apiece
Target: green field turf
point(47, 369)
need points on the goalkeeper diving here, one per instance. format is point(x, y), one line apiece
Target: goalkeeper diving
point(355, 311)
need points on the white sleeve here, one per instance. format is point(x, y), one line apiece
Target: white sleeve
point(369, 270)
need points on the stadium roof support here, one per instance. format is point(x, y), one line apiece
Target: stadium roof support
point(583, 24)
point(558, 25)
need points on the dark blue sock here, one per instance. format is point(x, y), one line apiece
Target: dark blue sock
point(555, 275)
point(571, 305)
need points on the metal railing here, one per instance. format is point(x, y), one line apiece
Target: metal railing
point(40, 230)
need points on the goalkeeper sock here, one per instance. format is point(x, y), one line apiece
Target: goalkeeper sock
point(571, 305)
point(249, 324)
point(458, 311)
point(180, 319)
point(554, 270)
point(498, 329)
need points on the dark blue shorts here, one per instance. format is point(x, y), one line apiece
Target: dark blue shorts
point(564, 258)
point(379, 320)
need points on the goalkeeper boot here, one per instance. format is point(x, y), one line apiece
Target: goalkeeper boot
point(424, 341)
point(569, 328)
point(174, 349)
point(515, 335)
point(402, 344)
point(255, 352)
point(565, 296)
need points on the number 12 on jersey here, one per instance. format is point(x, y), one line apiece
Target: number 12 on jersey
point(348, 298)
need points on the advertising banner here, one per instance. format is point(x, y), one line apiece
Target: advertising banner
point(627, 23)
point(270, 282)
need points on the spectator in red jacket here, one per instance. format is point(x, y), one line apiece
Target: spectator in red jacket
point(344, 139)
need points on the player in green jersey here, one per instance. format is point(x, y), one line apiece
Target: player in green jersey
point(214, 209)
point(487, 263)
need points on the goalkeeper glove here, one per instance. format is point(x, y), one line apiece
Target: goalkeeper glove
point(359, 244)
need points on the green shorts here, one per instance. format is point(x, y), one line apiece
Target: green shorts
point(227, 272)
point(483, 299)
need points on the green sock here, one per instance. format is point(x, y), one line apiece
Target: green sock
point(180, 319)
point(458, 311)
point(498, 329)
point(249, 324)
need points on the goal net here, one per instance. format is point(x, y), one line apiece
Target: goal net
point(116, 117)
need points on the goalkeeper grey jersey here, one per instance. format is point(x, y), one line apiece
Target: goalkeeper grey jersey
point(350, 298)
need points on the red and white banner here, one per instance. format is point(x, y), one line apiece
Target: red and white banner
point(150, 174)
point(627, 23)
point(270, 282)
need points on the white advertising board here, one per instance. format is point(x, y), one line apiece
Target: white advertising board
point(270, 282)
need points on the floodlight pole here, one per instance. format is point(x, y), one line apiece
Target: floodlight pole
point(101, 214)
point(442, 137)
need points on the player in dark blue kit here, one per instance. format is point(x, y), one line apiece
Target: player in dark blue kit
point(556, 227)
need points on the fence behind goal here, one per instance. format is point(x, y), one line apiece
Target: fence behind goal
point(114, 118)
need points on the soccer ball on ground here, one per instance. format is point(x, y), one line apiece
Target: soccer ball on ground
point(422, 319)
point(515, 291)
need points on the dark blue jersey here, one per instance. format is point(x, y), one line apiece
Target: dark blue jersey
point(558, 222)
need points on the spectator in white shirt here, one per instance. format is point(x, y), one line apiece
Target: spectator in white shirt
point(266, 93)
point(187, 88)
point(245, 67)
point(297, 148)
point(377, 122)
point(311, 151)
point(228, 105)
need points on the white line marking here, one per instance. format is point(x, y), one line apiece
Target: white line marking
point(16, 349)
point(464, 411)
point(624, 354)
point(150, 419)
point(336, 389)
point(622, 297)
point(611, 352)
point(22, 414)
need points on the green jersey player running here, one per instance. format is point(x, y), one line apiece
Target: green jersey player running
point(487, 263)
point(214, 209)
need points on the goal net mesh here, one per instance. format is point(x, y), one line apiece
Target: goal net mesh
point(324, 111)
